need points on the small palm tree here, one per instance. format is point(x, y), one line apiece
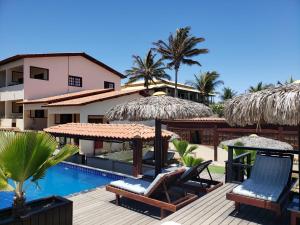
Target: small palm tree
point(289, 81)
point(227, 94)
point(179, 49)
point(206, 83)
point(183, 149)
point(147, 69)
point(259, 87)
point(26, 156)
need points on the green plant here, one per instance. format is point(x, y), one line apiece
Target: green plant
point(147, 69)
point(227, 93)
point(27, 156)
point(179, 49)
point(218, 109)
point(183, 149)
point(206, 83)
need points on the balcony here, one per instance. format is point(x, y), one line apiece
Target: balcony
point(12, 92)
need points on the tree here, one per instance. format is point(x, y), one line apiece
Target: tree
point(179, 49)
point(289, 81)
point(206, 83)
point(26, 156)
point(259, 87)
point(147, 69)
point(228, 93)
point(184, 150)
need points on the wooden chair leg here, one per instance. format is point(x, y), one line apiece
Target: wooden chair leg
point(237, 206)
point(117, 199)
point(162, 213)
point(293, 218)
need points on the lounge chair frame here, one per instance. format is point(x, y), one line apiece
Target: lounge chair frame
point(165, 205)
point(265, 204)
point(211, 184)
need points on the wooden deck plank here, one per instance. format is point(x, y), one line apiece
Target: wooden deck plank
point(98, 207)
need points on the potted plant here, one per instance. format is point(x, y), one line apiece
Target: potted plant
point(27, 156)
point(184, 149)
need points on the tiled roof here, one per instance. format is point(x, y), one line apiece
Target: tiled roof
point(66, 96)
point(83, 54)
point(107, 131)
point(93, 98)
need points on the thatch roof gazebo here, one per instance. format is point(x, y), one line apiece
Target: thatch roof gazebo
point(158, 108)
point(256, 141)
point(278, 105)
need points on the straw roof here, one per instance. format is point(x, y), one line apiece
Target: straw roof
point(258, 142)
point(279, 106)
point(158, 107)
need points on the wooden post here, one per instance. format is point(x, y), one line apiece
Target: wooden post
point(216, 142)
point(165, 148)
point(157, 147)
point(280, 133)
point(137, 157)
point(229, 165)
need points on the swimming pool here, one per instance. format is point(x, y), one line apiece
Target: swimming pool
point(63, 179)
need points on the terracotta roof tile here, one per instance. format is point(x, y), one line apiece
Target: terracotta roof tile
point(107, 131)
point(67, 96)
point(93, 98)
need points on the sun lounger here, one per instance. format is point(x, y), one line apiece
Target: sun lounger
point(157, 193)
point(149, 157)
point(192, 181)
point(269, 183)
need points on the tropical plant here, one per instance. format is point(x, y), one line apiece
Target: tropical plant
point(179, 49)
point(149, 69)
point(184, 150)
point(227, 94)
point(27, 156)
point(289, 81)
point(218, 108)
point(206, 83)
point(259, 87)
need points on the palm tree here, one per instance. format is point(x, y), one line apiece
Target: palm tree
point(179, 49)
point(228, 93)
point(206, 83)
point(184, 150)
point(259, 87)
point(289, 81)
point(148, 69)
point(26, 156)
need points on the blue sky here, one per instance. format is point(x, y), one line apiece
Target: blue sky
point(249, 41)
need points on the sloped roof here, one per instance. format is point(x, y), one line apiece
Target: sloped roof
point(92, 98)
point(83, 54)
point(107, 131)
point(67, 96)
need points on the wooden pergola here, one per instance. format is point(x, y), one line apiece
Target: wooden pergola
point(136, 133)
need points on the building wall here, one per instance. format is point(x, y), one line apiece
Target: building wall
point(93, 76)
point(96, 108)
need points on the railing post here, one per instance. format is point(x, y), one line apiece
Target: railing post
point(248, 164)
point(230, 161)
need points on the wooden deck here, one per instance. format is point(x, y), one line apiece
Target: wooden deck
point(97, 207)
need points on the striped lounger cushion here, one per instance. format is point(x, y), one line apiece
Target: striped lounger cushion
point(268, 178)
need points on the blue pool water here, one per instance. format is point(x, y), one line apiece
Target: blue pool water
point(63, 179)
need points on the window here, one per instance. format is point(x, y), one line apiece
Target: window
point(75, 81)
point(66, 118)
point(39, 73)
point(17, 108)
point(37, 113)
point(109, 85)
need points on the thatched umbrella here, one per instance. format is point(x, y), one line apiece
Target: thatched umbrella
point(278, 105)
point(158, 108)
point(256, 141)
